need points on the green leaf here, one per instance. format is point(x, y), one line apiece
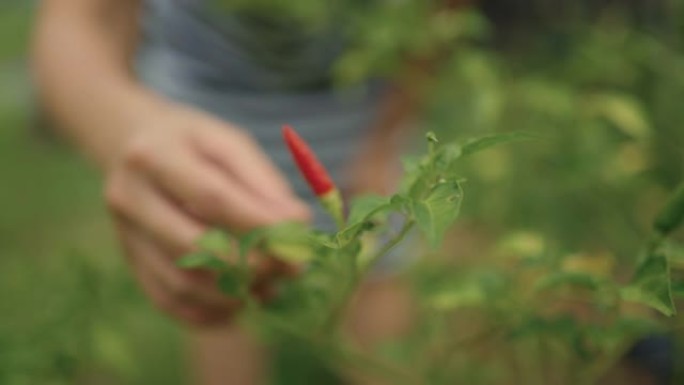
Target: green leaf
point(290, 241)
point(201, 260)
point(412, 171)
point(674, 252)
point(479, 144)
point(563, 326)
point(292, 251)
point(230, 281)
point(352, 233)
point(625, 112)
point(635, 326)
point(250, 241)
point(111, 347)
point(580, 346)
point(401, 203)
point(672, 215)
point(366, 206)
point(215, 241)
point(454, 297)
point(411, 163)
point(446, 156)
point(678, 289)
point(363, 209)
point(651, 285)
point(326, 241)
point(567, 279)
point(438, 211)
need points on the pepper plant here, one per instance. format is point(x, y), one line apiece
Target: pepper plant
point(521, 313)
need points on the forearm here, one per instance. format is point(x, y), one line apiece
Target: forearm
point(83, 52)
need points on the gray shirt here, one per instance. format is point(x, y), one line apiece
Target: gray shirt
point(258, 72)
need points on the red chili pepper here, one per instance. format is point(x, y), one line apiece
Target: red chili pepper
point(315, 174)
point(309, 165)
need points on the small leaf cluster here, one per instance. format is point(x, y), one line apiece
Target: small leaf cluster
point(336, 262)
point(566, 317)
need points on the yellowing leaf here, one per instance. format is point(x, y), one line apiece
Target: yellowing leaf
point(215, 241)
point(522, 244)
point(453, 298)
point(597, 265)
point(624, 112)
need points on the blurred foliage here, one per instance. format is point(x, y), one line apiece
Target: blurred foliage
point(69, 311)
point(601, 81)
point(565, 318)
point(14, 28)
point(610, 153)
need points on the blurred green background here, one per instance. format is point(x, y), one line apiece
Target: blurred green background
point(604, 85)
point(69, 312)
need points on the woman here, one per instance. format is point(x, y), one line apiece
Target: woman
point(181, 108)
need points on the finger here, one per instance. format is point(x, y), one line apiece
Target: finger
point(188, 313)
point(153, 288)
point(209, 194)
point(189, 287)
point(233, 150)
point(181, 286)
point(148, 209)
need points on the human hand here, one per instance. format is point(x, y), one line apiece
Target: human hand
point(179, 173)
point(375, 169)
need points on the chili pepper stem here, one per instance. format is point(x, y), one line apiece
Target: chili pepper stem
point(332, 203)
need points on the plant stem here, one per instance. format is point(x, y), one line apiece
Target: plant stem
point(371, 363)
point(467, 343)
point(540, 360)
point(337, 313)
point(408, 225)
point(336, 352)
point(348, 292)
